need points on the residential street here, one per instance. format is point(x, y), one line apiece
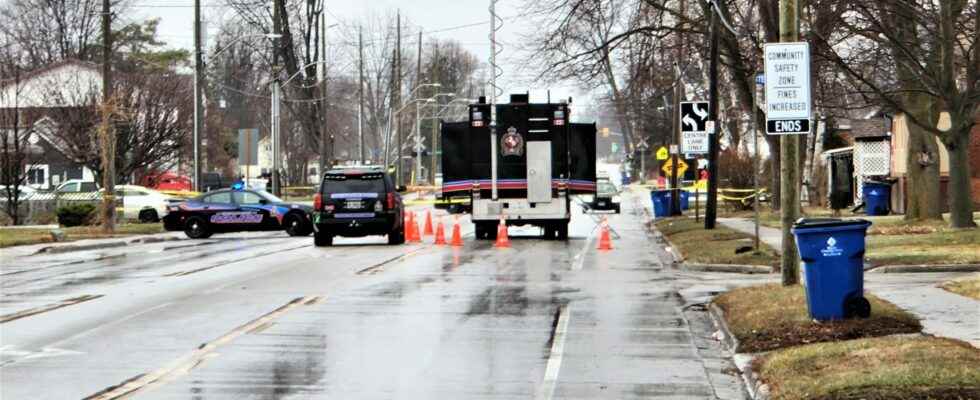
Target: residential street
point(266, 316)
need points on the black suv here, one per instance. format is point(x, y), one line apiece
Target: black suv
point(357, 202)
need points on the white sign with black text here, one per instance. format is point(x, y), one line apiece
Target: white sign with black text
point(694, 127)
point(787, 80)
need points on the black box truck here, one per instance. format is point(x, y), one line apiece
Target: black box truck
point(525, 170)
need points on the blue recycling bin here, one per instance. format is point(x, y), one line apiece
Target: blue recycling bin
point(877, 198)
point(661, 203)
point(685, 199)
point(832, 251)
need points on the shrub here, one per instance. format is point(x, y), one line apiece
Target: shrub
point(75, 214)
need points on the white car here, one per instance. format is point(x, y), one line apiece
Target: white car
point(142, 204)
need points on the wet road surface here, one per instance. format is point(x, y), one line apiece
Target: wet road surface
point(264, 316)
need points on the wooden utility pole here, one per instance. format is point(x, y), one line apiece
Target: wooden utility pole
point(326, 144)
point(274, 120)
point(711, 211)
point(789, 166)
point(675, 198)
point(106, 132)
point(198, 97)
point(360, 95)
point(397, 97)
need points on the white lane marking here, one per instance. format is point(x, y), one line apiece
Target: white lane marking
point(547, 388)
point(190, 360)
point(580, 257)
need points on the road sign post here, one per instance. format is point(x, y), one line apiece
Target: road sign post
point(642, 145)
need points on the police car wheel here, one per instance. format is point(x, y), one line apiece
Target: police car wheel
point(397, 237)
point(295, 226)
point(321, 239)
point(197, 228)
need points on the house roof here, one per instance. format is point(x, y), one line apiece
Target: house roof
point(51, 67)
point(864, 129)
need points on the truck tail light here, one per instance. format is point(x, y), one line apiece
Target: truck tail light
point(317, 201)
point(390, 199)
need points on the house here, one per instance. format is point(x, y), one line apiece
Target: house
point(867, 157)
point(899, 164)
point(35, 97)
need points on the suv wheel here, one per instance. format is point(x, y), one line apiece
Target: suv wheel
point(397, 236)
point(197, 228)
point(322, 239)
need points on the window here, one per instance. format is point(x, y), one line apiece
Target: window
point(247, 198)
point(88, 187)
point(36, 175)
point(223, 197)
point(71, 187)
point(353, 184)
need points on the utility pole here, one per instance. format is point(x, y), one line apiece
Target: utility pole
point(432, 151)
point(198, 96)
point(397, 96)
point(277, 30)
point(360, 94)
point(418, 126)
point(326, 145)
point(789, 14)
point(107, 132)
point(710, 212)
point(675, 198)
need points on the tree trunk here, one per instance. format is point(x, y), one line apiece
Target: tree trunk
point(922, 163)
point(960, 201)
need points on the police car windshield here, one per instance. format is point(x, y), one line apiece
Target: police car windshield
point(353, 184)
point(269, 196)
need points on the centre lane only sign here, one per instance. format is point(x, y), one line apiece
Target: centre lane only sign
point(694, 127)
point(787, 80)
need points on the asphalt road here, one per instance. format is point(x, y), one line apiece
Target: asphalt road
point(265, 316)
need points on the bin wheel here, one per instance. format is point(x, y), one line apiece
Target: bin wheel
point(857, 307)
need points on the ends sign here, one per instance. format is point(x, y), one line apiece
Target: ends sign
point(788, 102)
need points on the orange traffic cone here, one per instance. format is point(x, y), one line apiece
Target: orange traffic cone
point(416, 237)
point(605, 242)
point(440, 234)
point(502, 239)
point(428, 224)
point(457, 240)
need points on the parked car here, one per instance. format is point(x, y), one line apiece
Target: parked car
point(167, 181)
point(357, 202)
point(23, 189)
point(212, 181)
point(237, 209)
point(143, 204)
point(77, 186)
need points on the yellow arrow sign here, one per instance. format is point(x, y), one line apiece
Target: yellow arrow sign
point(669, 165)
point(662, 153)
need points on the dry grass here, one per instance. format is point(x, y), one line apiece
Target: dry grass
point(771, 316)
point(881, 368)
point(969, 287)
point(17, 237)
point(716, 246)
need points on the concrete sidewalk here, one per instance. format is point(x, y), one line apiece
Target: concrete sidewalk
point(771, 236)
point(942, 313)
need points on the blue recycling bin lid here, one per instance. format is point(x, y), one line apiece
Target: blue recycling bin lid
point(804, 225)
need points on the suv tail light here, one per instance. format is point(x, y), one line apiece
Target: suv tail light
point(317, 201)
point(391, 201)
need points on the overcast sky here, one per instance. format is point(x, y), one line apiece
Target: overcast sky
point(447, 19)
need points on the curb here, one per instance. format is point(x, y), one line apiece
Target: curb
point(924, 268)
point(743, 361)
point(67, 248)
point(730, 268)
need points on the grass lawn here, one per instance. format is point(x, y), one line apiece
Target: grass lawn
point(771, 316)
point(874, 369)
point(969, 287)
point(715, 246)
point(16, 237)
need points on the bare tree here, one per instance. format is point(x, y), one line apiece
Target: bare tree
point(48, 31)
point(15, 147)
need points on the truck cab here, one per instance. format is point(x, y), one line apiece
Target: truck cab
point(522, 167)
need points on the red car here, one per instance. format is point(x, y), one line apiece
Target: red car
point(167, 181)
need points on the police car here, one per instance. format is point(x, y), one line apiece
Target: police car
point(357, 202)
point(237, 209)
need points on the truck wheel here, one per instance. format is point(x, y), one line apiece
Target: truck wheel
point(197, 228)
point(562, 232)
point(322, 239)
point(148, 216)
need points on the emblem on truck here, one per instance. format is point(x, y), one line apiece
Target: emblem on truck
point(512, 143)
